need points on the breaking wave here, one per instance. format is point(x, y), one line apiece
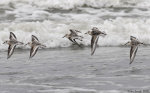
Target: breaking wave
point(50, 33)
point(36, 17)
point(70, 4)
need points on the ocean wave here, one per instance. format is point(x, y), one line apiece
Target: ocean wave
point(40, 10)
point(50, 33)
point(70, 4)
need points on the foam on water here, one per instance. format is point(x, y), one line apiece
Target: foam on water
point(34, 9)
point(50, 33)
point(69, 4)
point(35, 17)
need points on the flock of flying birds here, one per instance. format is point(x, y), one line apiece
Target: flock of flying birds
point(13, 42)
point(73, 36)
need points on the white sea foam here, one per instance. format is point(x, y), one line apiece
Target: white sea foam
point(39, 10)
point(50, 33)
point(34, 17)
point(69, 4)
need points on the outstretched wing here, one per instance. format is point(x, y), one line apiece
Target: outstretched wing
point(34, 38)
point(134, 39)
point(12, 36)
point(75, 42)
point(78, 31)
point(133, 51)
point(94, 41)
point(71, 39)
point(33, 50)
point(11, 50)
point(73, 32)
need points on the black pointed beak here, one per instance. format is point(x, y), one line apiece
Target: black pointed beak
point(81, 36)
point(26, 44)
point(78, 31)
point(104, 33)
point(126, 43)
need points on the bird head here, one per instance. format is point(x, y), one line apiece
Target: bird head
point(103, 33)
point(78, 31)
point(29, 43)
point(132, 38)
point(66, 35)
point(75, 30)
point(95, 29)
point(89, 32)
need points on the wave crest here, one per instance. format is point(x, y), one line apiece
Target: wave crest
point(70, 4)
point(49, 33)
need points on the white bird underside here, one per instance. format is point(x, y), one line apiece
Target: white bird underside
point(35, 45)
point(94, 41)
point(12, 45)
point(33, 50)
point(133, 52)
point(11, 50)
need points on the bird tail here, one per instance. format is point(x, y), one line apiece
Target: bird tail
point(43, 46)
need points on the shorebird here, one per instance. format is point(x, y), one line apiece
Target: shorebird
point(134, 47)
point(35, 45)
point(73, 36)
point(95, 33)
point(12, 42)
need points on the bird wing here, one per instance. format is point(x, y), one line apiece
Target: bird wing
point(94, 41)
point(33, 50)
point(12, 36)
point(133, 51)
point(76, 43)
point(34, 38)
point(71, 39)
point(11, 50)
point(77, 31)
point(132, 37)
point(73, 33)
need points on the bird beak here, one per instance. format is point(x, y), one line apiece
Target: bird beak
point(86, 33)
point(81, 36)
point(104, 33)
point(26, 44)
point(63, 36)
point(78, 31)
point(126, 43)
